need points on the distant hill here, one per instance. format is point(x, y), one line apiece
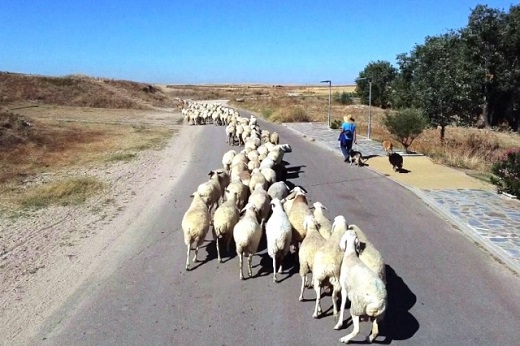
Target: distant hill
point(81, 91)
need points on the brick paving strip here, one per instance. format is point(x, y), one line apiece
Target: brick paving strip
point(491, 219)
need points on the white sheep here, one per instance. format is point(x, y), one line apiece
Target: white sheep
point(327, 265)
point(288, 201)
point(224, 220)
point(369, 254)
point(261, 200)
point(325, 226)
point(227, 159)
point(300, 209)
point(278, 232)
point(278, 190)
point(309, 246)
point(257, 178)
point(274, 138)
point(247, 234)
point(242, 191)
point(365, 290)
point(211, 190)
point(195, 225)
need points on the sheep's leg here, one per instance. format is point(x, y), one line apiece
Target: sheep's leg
point(196, 253)
point(274, 269)
point(347, 338)
point(280, 269)
point(250, 265)
point(375, 330)
point(342, 309)
point(188, 257)
point(335, 301)
point(304, 279)
point(317, 308)
point(218, 250)
point(241, 258)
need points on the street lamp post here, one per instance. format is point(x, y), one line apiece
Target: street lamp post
point(369, 104)
point(330, 94)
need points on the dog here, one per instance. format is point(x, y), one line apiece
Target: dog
point(388, 147)
point(356, 158)
point(396, 161)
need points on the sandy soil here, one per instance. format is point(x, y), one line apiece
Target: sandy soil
point(46, 255)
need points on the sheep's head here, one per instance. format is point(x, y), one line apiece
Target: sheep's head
point(351, 240)
point(309, 221)
point(318, 205)
point(340, 223)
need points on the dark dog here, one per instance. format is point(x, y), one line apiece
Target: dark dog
point(356, 158)
point(396, 161)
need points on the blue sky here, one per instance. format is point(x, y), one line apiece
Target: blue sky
point(195, 41)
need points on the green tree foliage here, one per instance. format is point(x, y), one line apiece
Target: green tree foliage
point(461, 77)
point(406, 125)
point(382, 74)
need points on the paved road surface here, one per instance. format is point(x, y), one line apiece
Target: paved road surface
point(443, 289)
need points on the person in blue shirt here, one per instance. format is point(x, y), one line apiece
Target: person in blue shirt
point(347, 136)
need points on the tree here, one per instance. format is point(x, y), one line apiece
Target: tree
point(381, 74)
point(406, 125)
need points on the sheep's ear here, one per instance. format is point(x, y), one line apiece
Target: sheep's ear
point(324, 207)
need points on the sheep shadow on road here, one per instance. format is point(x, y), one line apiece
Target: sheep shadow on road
point(399, 323)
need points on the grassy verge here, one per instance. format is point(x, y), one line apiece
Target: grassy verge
point(66, 192)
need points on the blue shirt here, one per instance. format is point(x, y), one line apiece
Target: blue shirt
point(349, 126)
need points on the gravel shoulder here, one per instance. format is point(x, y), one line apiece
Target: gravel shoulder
point(49, 253)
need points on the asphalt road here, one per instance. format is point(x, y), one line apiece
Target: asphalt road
point(443, 289)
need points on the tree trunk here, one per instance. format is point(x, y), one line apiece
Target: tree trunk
point(442, 133)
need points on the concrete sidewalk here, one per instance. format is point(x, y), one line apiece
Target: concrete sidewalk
point(491, 219)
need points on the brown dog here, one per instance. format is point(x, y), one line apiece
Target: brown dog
point(388, 147)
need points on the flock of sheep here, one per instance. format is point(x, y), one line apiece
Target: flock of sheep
point(248, 197)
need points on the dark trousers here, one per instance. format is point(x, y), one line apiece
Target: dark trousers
point(346, 147)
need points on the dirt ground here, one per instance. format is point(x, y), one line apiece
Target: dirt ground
point(46, 254)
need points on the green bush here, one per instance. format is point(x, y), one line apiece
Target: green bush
point(343, 98)
point(406, 125)
point(507, 173)
point(335, 124)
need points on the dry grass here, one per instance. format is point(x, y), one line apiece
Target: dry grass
point(65, 192)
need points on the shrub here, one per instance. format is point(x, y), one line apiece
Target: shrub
point(343, 98)
point(507, 173)
point(293, 114)
point(335, 124)
point(405, 125)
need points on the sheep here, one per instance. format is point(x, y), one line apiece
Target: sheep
point(267, 162)
point(325, 226)
point(369, 254)
point(224, 220)
point(253, 164)
point(257, 178)
point(247, 234)
point(261, 200)
point(274, 138)
point(227, 159)
point(327, 265)
point(195, 225)
point(297, 213)
point(242, 191)
point(269, 174)
point(211, 190)
point(278, 190)
point(278, 232)
point(289, 200)
point(365, 290)
point(312, 242)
